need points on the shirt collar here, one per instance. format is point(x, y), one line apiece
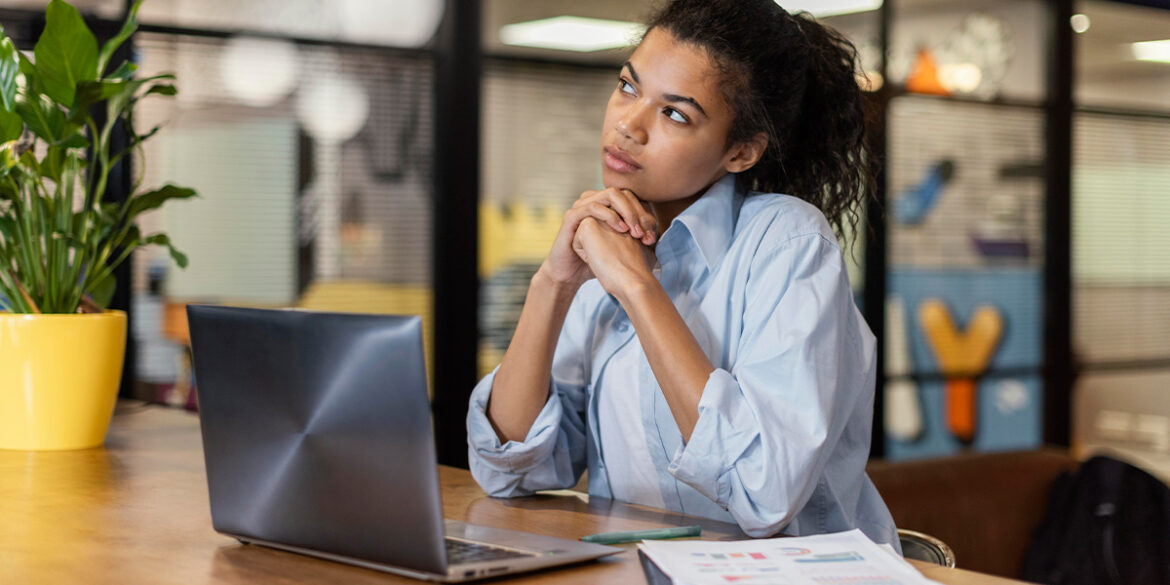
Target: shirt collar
point(711, 219)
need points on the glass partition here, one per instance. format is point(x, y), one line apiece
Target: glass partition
point(1120, 269)
point(964, 312)
point(313, 166)
point(981, 49)
point(965, 227)
point(1111, 72)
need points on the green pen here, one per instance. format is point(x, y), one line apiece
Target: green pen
point(636, 535)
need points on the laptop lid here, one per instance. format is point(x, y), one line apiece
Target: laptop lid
point(316, 432)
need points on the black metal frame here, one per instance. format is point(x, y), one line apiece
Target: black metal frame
point(874, 293)
point(1059, 373)
point(455, 235)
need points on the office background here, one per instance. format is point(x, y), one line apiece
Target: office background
point(363, 155)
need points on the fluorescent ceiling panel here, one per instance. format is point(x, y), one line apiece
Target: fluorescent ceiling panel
point(820, 8)
point(572, 33)
point(1152, 51)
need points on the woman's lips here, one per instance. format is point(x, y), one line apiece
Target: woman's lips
point(618, 161)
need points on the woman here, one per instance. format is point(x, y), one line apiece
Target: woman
point(720, 369)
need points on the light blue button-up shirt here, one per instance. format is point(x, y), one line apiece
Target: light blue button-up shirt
point(784, 421)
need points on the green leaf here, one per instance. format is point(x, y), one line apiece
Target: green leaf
point(167, 90)
point(124, 72)
point(167, 76)
point(154, 199)
point(26, 66)
point(102, 292)
point(66, 53)
point(131, 239)
point(162, 240)
point(7, 228)
point(11, 126)
point(71, 239)
point(8, 161)
point(77, 140)
point(119, 93)
point(43, 117)
point(103, 222)
point(92, 92)
point(9, 70)
point(112, 45)
point(31, 85)
point(29, 160)
point(54, 163)
point(144, 137)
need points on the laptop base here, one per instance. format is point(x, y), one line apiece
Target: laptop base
point(546, 551)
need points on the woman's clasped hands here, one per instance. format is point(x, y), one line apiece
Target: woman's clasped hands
point(605, 234)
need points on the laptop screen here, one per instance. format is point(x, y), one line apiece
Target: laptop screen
point(317, 432)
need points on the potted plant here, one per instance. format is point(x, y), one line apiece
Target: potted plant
point(60, 238)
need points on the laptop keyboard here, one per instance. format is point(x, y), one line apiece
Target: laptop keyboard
point(462, 551)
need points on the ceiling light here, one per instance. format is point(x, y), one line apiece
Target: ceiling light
point(1152, 51)
point(821, 8)
point(572, 33)
point(258, 72)
point(402, 23)
point(333, 107)
point(1080, 23)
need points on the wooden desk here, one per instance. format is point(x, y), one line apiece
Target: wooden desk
point(136, 511)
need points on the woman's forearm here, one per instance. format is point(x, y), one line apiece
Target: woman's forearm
point(677, 360)
point(520, 388)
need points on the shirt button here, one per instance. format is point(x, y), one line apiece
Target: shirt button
point(623, 326)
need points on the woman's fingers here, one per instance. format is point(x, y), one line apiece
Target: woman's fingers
point(633, 216)
point(647, 229)
point(579, 248)
point(645, 219)
point(649, 222)
point(630, 209)
point(599, 211)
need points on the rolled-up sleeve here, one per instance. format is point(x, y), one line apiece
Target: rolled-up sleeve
point(553, 454)
point(768, 427)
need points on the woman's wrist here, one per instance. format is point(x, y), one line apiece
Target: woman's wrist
point(546, 283)
point(636, 287)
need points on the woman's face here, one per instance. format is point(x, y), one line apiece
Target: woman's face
point(666, 125)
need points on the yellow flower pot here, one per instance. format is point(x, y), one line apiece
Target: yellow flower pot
point(59, 378)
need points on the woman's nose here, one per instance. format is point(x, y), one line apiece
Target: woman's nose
point(632, 123)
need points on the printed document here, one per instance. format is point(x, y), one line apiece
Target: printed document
point(843, 558)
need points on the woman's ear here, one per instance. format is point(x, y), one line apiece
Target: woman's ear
point(746, 154)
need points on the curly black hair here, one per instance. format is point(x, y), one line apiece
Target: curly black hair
point(795, 80)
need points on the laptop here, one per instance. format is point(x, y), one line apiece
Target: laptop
point(317, 438)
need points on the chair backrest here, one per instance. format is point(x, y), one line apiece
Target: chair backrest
point(924, 547)
point(985, 506)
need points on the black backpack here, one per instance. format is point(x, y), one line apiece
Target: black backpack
point(1108, 523)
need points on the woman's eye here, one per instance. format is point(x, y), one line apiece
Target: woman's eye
point(675, 115)
point(625, 86)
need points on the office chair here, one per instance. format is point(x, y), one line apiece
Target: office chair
point(924, 547)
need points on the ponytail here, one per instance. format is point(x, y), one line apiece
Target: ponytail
point(795, 80)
